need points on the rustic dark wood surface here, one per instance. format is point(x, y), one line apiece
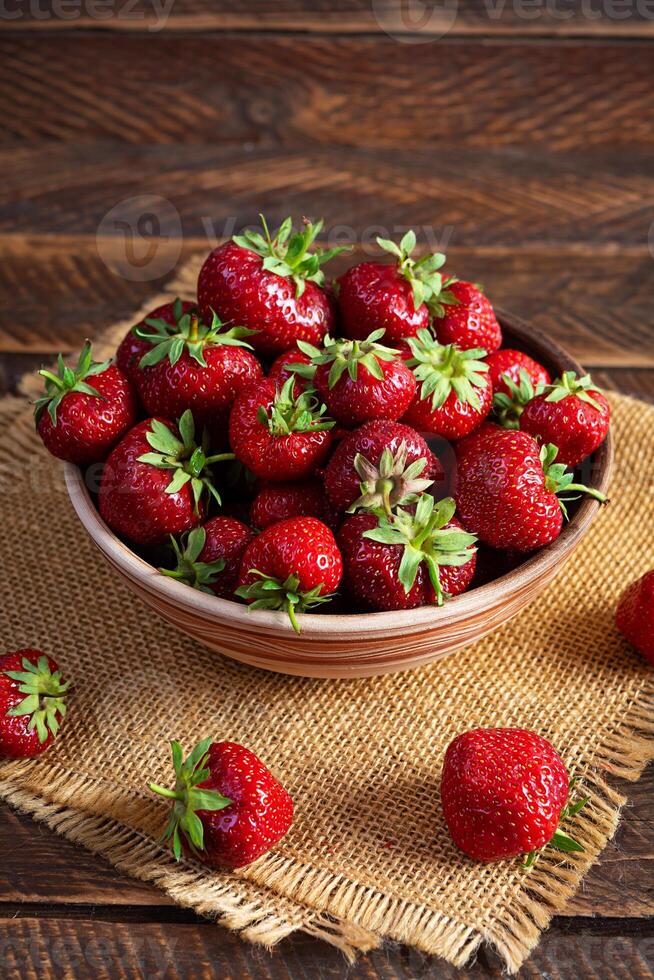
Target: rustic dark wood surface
point(518, 137)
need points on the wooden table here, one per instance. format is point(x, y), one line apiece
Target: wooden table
point(521, 138)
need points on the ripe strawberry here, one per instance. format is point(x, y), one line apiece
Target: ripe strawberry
point(133, 346)
point(210, 558)
point(510, 402)
point(504, 793)
point(155, 481)
point(507, 488)
point(276, 436)
point(634, 615)
point(275, 502)
point(382, 464)
point(399, 299)
point(280, 370)
point(455, 395)
point(271, 285)
point(509, 364)
point(292, 565)
point(470, 321)
point(32, 703)
point(78, 421)
point(407, 560)
point(572, 413)
point(228, 809)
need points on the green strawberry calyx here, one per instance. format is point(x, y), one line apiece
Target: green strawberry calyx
point(189, 334)
point(428, 285)
point(188, 797)
point(346, 355)
point(442, 369)
point(569, 384)
point(426, 539)
point(389, 484)
point(68, 379)
point(288, 253)
point(558, 479)
point(44, 701)
point(560, 840)
point(198, 574)
point(288, 413)
point(268, 592)
point(509, 407)
point(181, 454)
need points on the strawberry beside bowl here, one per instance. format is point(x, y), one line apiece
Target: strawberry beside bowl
point(361, 644)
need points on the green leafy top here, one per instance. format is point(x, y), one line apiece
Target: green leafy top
point(390, 484)
point(346, 355)
point(188, 461)
point(188, 334)
point(560, 840)
point(443, 369)
point(68, 379)
point(268, 592)
point(427, 284)
point(509, 407)
point(287, 414)
point(558, 479)
point(44, 692)
point(189, 798)
point(425, 538)
point(569, 384)
point(288, 254)
point(198, 574)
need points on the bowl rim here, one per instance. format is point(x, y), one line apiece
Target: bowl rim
point(369, 624)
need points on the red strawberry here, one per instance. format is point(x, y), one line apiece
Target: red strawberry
point(504, 793)
point(270, 285)
point(276, 436)
point(470, 321)
point(455, 395)
point(507, 488)
point(407, 560)
point(399, 299)
point(85, 409)
point(382, 464)
point(227, 809)
point(155, 481)
point(634, 616)
point(133, 346)
point(506, 363)
point(292, 565)
point(572, 413)
point(280, 370)
point(275, 502)
point(32, 703)
point(509, 402)
point(210, 557)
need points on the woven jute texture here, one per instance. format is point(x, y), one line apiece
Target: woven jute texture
point(368, 856)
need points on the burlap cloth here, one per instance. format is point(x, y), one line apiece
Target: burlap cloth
point(368, 856)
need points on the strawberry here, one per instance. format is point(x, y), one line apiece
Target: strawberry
point(209, 558)
point(32, 703)
point(275, 502)
point(507, 364)
point(292, 565)
point(280, 370)
point(155, 482)
point(504, 792)
point(455, 395)
point(271, 285)
point(277, 436)
point(572, 413)
point(470, 321)
point(409, 559)
point(509, 402)
point(133, 346)
point(399, 299)
point(227, 809)
point(634, 615)
point(507, 487)
point(80, 421)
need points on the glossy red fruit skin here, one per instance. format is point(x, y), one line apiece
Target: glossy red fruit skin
point(132, 348)
point(373, 295)
point(511, 362)
point(16, 741)
point(500, 490)
point(273, 457)
point(353, 402)
point(343, 485)
point(133, 499)
point(226, 538)
point(454, 419)
point(634, 615)
point(261, 812)
point(88, 427)
point(301, 546)
point(275, 502)
point(371, 570)
point(574, 426)
point(234, 283)
point(502, 792)
point(469, 323)
point(279, 372)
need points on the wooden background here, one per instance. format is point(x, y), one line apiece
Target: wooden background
point(523, 137)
